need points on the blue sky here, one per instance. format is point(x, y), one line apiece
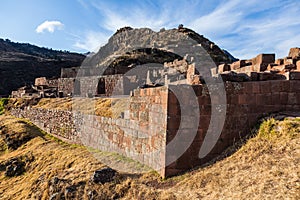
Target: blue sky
point(244, 28)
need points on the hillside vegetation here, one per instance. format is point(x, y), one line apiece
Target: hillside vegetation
point(266, 166)
point(21, 63)
point(3, 102)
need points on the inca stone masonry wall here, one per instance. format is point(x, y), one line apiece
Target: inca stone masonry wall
point(139, 134)
point(246, 103)
point(112, 84)
point(154, 117)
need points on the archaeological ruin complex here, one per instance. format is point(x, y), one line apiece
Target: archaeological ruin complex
point(155, 124)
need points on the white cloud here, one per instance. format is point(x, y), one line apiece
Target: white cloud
point(269, 33)
point(243, 28)
point(49, 26)
point(222, 19)
point(246, 29)
point(138, 16)
point(92, 41)
point(146, 14)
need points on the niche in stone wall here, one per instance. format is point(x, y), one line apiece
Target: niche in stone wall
point(101, 86)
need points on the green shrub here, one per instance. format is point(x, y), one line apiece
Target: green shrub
point(3, 102)
point(267, 128)
point(271, 128)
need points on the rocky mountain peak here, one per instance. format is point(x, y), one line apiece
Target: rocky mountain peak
point(126, 40)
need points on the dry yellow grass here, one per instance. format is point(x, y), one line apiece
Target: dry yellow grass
point(266, 167)
point(74, 165)
point(106, 107)
point(51, 158)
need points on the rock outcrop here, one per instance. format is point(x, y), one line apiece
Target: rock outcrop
point(103, 175)
point(130, 47)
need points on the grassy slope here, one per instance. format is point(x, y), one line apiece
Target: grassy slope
point(106, 107)
point(51, 159)
point(267, 166)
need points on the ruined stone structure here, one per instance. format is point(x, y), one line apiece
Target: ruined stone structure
point(44, 88)
point(153, 119)
point(155, 126)
point(265, 63)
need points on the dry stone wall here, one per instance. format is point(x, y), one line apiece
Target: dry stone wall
point(139, 134)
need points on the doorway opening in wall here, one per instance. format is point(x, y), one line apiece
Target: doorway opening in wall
point(77, 89)
point(101, 86)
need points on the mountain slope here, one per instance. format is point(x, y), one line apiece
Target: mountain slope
point(20, 64)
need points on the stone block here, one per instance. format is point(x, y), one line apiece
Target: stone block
point(294, 52)
point(279, 61)
point(283, 68)
point(253, 76)
point(223, 68)
point(271, 66)
point(268, 99)
point(243, 99)
point(255, 87)
point(276, 86)
point(263, 59)
point(292, 98)
point(238, 64)
point(288, 61)
point(298, 65)
point(260, 67)
point(42, 81)
point(245, 69)
point(265, 76)
point(248, 87)
point(251, 99)
point(294, 86)
point(295, 75)
point(265, 87)
point(285, 86)
point(234, 77)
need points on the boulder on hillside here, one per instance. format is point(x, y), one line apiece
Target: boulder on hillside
point(104, 175)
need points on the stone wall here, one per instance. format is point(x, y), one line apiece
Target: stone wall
point(246, 103)
point(263, 63)
point(88, 86)
point(64, 124)
point(52, 82)
point(66, 85)
point(139, 134)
